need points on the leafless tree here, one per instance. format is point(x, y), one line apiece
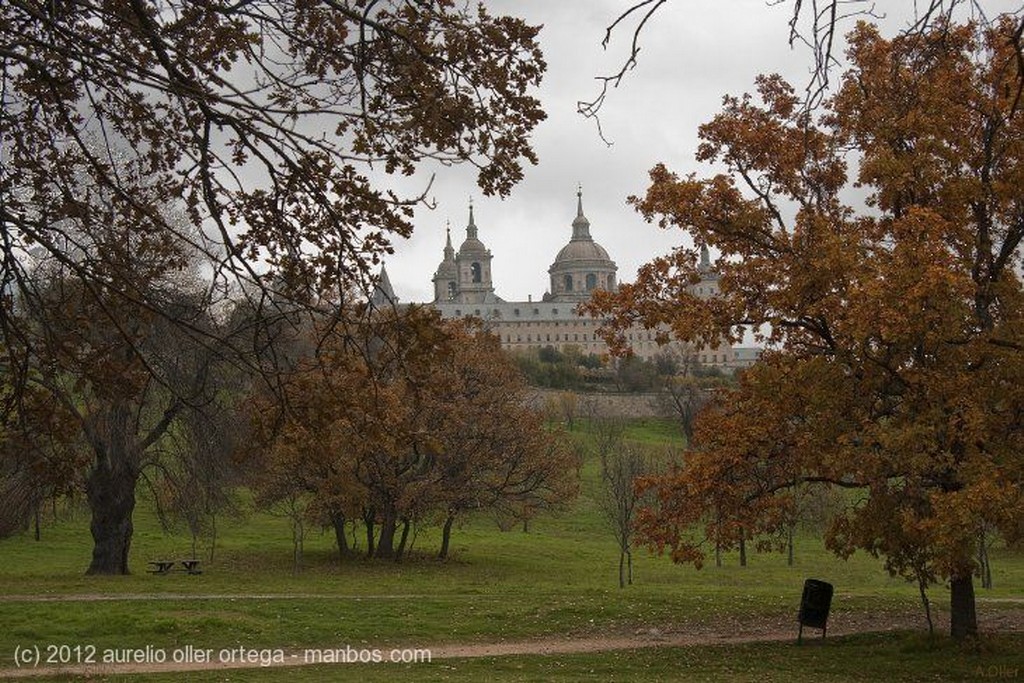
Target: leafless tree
point(622, 464)
point(815, 24)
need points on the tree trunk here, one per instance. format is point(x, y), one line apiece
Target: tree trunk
point(629, 566)
point(985, 568)
point(298, 536)
point(446, 535)
point(963, 617)
point(927, 605)
point(718, 542)
point(405, 537)
point(743, 552)
point(110, 490)
point(338, 522)
point(213, 536)
point(386, 540)
point(368, 517)
point(789, 548)
point(622, 568)
point(37, 513)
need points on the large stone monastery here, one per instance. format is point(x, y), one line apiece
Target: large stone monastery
point(463, 287)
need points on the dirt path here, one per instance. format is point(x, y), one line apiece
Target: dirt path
point(723, 632)
point(114, 597)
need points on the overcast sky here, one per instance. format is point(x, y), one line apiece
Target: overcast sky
point(693, 53)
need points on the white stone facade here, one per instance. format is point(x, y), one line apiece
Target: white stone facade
point(463, 287)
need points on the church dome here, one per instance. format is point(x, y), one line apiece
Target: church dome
point(582, 265)
point(582, 250)
point(472, 246)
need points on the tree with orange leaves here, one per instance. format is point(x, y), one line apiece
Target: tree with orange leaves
point(895, 330)
point(406, 418)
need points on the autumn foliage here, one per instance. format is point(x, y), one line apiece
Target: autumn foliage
point(198, 174)
point(406, 420)
point(894, 323)
point(268, 126)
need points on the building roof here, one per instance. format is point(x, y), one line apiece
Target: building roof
point(472, 246)
point(447, 270)
point(582, 247)
point(383, 293)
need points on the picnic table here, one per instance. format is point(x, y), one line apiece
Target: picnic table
point(166, 566)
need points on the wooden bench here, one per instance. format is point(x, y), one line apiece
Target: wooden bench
point(167, 566)
point(191, 566)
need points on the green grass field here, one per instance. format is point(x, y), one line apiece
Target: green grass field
point(558, 580)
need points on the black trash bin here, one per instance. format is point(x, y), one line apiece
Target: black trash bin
point(814, 606)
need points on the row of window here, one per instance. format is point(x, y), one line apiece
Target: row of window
point(590, 282)
point(639, 336)
point(497, 312)
point(558, 338)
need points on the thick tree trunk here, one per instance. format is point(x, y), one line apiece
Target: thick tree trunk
point(743, 552)
point(386, 540)
point(338, 522)
point(446, 535)
point(405, 537)
point(963, 617)
point(110, 490)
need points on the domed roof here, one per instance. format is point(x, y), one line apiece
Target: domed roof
point(582, 247)
point(447, 270)
point(582, 250)
point(472, 244)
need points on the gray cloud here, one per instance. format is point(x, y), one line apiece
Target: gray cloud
point(692, 54)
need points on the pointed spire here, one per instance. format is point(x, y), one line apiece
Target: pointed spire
point(449, 251)
point(580, 226)
point(471, 227)
point(383, 293)
point(705, 258)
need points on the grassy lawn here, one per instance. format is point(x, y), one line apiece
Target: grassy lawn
point(557, 579)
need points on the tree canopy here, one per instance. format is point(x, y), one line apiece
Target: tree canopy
point(180, 181)
point(818, 26)
point(895, 327)
point(271, 126)
point(411, 419)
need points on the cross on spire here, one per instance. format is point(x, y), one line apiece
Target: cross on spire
point(471, 227)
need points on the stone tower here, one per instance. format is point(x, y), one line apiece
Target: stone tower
point(582, 265)
point(473, 266)
point(446, 279)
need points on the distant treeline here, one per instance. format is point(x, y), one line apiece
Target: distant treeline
point(570, 368)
